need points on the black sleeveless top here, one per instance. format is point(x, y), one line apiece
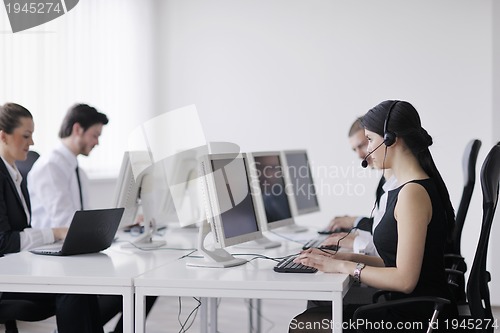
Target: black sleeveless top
point(432, 280)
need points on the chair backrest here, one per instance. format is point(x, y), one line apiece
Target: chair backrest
point(469, 160)
point(478, 294)
point(25, 166)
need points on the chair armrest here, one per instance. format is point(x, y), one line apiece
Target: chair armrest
point(454, 277)
point(455, 261)
point(453, 256)
point(378, 294)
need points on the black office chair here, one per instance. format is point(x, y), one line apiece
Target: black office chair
point(25, 166)
point(469, 169)
point(478, 307)
point(453, 257)
point(478, 294)
point(23, 310)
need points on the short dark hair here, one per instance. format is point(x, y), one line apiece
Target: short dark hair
point(10, 116)
point(356, 127)
point(83, 114)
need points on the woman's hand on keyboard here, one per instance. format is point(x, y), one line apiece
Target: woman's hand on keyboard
point(325, 262)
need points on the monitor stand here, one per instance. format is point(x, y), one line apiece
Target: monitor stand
point(145, 241)
point(294, 228)
point(260, 243)
point(218, 258)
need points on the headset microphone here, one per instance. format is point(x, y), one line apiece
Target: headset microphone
point(364, 163)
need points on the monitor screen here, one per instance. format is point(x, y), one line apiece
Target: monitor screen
point(136, 187)
point(233, 191)
point(176, 178)
point(128, 186)
point(229, 209)
point(269, 172)
point(301, 181)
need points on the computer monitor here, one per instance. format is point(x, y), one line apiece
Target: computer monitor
point(179, 198)
point(270, 196)
point(136, 187)
point(299, 178)
point(230, 210)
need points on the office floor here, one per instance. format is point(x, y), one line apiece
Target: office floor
point(233, 316)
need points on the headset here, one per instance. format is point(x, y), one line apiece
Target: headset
point(389, 137)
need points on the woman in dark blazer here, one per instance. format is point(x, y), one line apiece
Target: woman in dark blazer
point(74, 313)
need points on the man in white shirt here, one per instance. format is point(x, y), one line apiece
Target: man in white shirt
point(57, 186)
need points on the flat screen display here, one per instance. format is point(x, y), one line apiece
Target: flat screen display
point(234, 197)
point(302, 182)
point(272, 186)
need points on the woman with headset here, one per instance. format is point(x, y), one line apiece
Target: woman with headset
point(74, 313)
point(412, 233)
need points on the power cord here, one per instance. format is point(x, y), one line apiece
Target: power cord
point(194, 312)
point(261, 256)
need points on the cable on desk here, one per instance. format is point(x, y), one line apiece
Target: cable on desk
point(187, 255)
point(194, 257)
point(194, 311)
point(256, 256)
point(261, 256)
point(338, 242)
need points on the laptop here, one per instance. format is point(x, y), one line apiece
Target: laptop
point(90, 231)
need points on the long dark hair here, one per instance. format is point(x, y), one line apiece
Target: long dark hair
point(405, 123)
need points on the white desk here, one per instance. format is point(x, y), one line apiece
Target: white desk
point(255, 280)
point(110, 272)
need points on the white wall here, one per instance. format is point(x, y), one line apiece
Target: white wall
point(293, 74)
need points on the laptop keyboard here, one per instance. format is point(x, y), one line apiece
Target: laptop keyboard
point(288, 266)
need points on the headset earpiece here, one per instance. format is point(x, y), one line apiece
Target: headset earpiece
point(389, 137)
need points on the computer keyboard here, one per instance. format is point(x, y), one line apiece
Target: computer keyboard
point(288, 266)
point(335, 231)
point(316, 243)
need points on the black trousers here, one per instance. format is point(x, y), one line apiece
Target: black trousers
point(74, 313)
